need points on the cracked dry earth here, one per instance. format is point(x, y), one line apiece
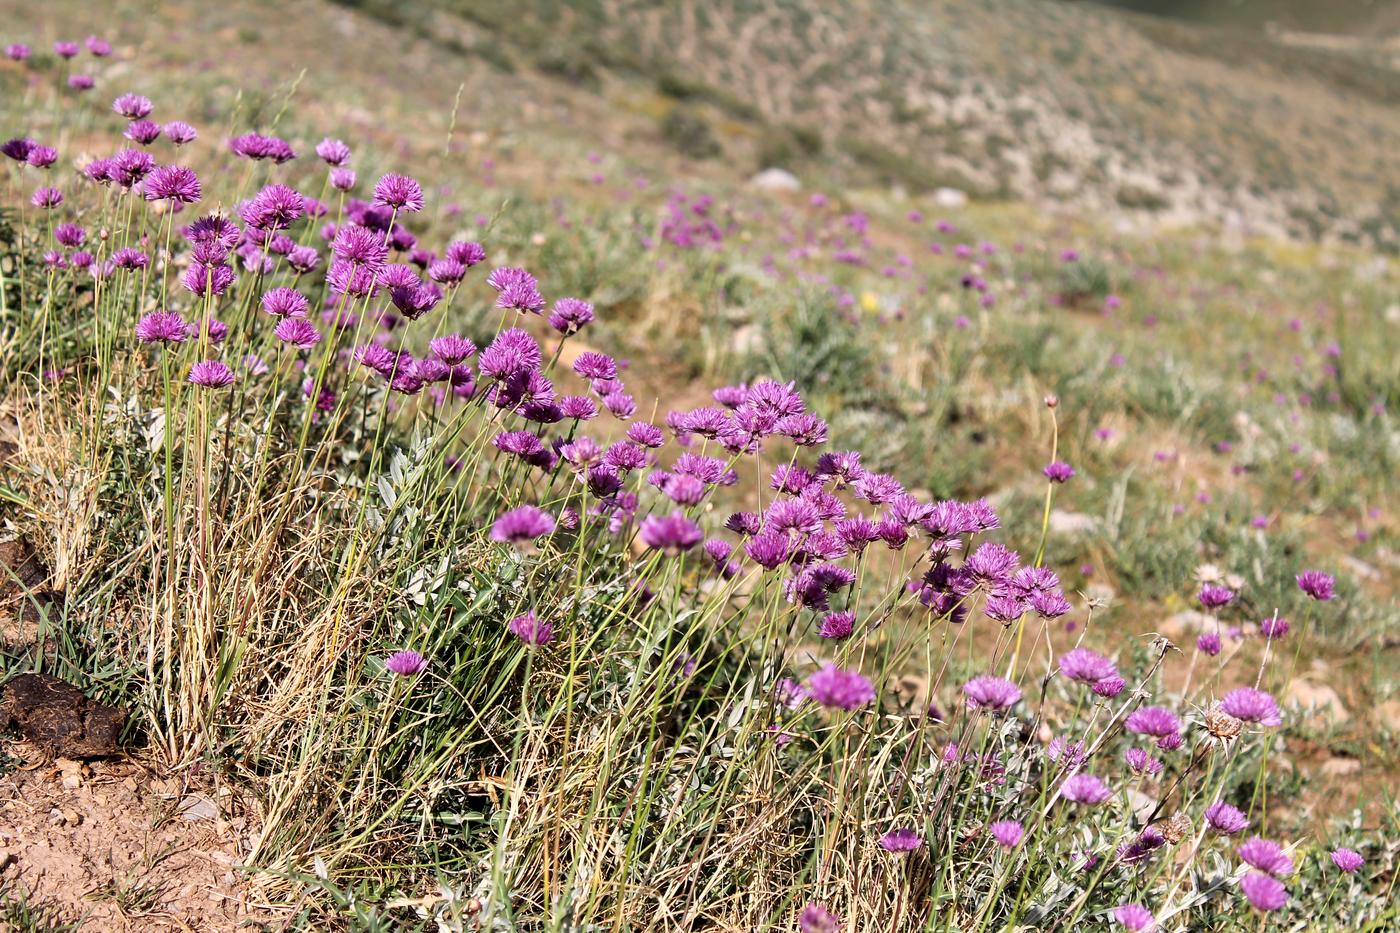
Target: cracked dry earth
point(111, 847)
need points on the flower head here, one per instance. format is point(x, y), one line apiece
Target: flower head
point(1059, 471)
point(1266, 856)
point(530, 629)
point(1134, 917)
point(173, 183)
point(1225, 819)
point(1264, 892)
point(1348, 860)
point(298, 332)
point(815, 918)
point(211, 374)
point(1316, 584)
point(991, 692)
point(1007, 833)
point(333, 151)
point(837, 688)
point(1213, 596)
point(524, 523)
point(1085, 788)
point(672, 533)
point(1251, 705)
point(180, 133)
point(161, 327)
point(406, 663)
point(398, 192)
point(900, 840)
point(1086, 666)
point(133, 106)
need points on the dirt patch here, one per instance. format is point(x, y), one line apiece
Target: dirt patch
point(111, 847)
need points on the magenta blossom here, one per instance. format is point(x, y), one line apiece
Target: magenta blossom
point(530, 629)
point(1316, 584)
point(836, 688)
point(406, 663)
point(1263, 892)
point(991, 692)
point(211, 374)
point(900, 840)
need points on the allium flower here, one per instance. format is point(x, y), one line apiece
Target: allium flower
point(815, 918)
point(359, 246)
point(1156, 721)
point(47, 198)
point(1251, 705)
point(1273, 628)
point(333, 151)
point(1141, 848)
point(1225, 819)
point(81, 82)
point(41, 156)
point(1007, 833)
point(130, 258)
point(1086, 666)
point(836, 688)
point(257, 146)
point(1208, 643)
point(161, 327)
point(991, 692)
point(1348, 860)
point(298, 332)
point(143, 132)
point(1085, 788)
point(69, 235)
point(180, 133)
point(406, 663)
point(173, 183)
point(524, 523)
point(273, 208)
point(1134, 917)
point(99, 47)
point(837, 624)
point(17, 148)
point(530, 629)
point(1316, 584)
point(570, 315)
point(17, 51)
point(1264, 893)
point(343, 179)
point(672, 533)
point(132, 106)
point(446, 271)
point(1266, 856)
point(1140, 762)
point(1109, 687)
point(65, 49)
point(900, 840)
point(452, 348)
point(1213, 596)
point(399, 192)
point(1059, 471)
point(211, 374)
point(592, 365)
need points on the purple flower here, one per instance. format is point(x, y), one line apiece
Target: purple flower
point(333, 151)
point(81, 82)
point(991, 692)
point(1140, 762)
point(273, 208)
point(815, 918)
point(837, 624)
point(285, 303)
point(1156, 721)
point(900, 840)
point(99, 47)
point(343, 179)
point(1109, 687)
point(1007, 833)
point(1266, 856)
point(257, 146)
point(180, 133)
point(132, 106)
point(143, 132)
point(130, 258)
point(1225, 819)
point(211, 374)
point(47, 198)
point(399, 192)
point(1213, 597)
point(1208, 643)
point(298, 332)
point(70, 235)
point(173, 183)
point(1251, 705)
point(1085, 788)
point(64, 49)
point(672, 533)
point(161, 327)
point(836, 688)
point(1134, 917)
point(531, 629)
point(1316, 584)
point(570, 315)
point(1273, 628)
point(1086, 666)
point(1348, 860)
point(41, 156)
point(1264, 893)
point(18, 148)
point(522, 524)
point(406, 663)
point(17, 51)
point(1059, 471)
point(452, 348)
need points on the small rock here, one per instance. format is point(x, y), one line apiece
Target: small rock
point(1142, 804)
point(950, 197)
point(1186, 623)
point(1339, 767)
point(196, 808)
point(1388, 715)
point(775, 179)
point(1319, 701)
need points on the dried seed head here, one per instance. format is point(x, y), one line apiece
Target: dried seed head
point(1222, 725)
point(1174, 828)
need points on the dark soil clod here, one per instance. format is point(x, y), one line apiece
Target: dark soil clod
point(60, 718)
